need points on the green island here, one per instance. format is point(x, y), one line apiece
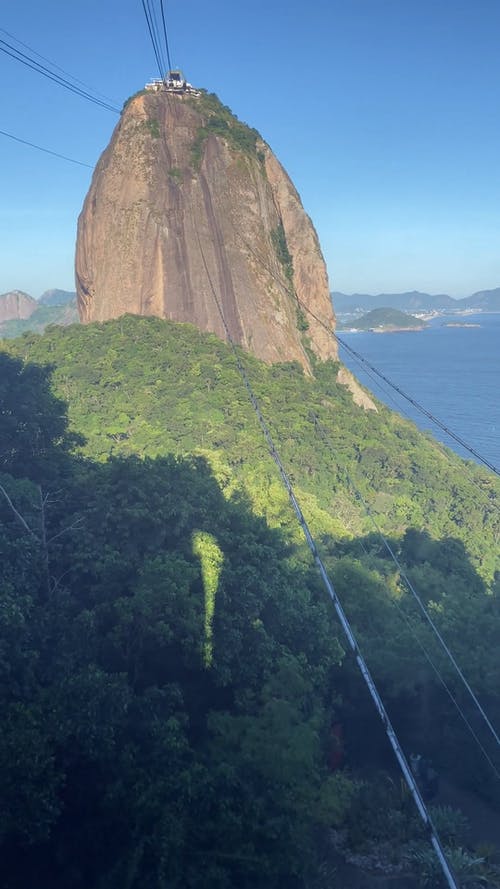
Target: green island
point(385, 320)
point(172, 673)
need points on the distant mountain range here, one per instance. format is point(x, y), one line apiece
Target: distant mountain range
point(415, 301)
point(57, 297)
point(20, 312)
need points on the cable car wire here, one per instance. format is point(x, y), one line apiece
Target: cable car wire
point(402, 410)
point(363, 362)
point(379, 386)
point(57, 67)
point(419, 407)
point(165, 35)
point(412, 401)
point(155, 41)
point(410, 586)
point(353, 644)
point(403, 574)
point(152, 35)
point(46, 150)
point(29, 62)
point(158, 38)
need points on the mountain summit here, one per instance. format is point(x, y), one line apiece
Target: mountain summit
point(189, 207)
point(15, 305)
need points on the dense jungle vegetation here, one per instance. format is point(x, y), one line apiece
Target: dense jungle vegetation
point(170, 668)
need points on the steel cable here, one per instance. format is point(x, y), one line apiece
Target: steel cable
point(400, 756)
point(29, 62)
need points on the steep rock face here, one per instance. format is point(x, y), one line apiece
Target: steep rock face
point(188, 208)
point(16, 305)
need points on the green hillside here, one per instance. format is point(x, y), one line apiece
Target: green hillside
point(169, 633)
point(153, 388)
point(387, 319)
point(40, 319)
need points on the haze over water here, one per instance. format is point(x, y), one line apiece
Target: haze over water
point(454, 372)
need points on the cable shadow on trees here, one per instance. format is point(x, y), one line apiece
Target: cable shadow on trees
point(153, 724)
point(413, 672)
point(169, 671)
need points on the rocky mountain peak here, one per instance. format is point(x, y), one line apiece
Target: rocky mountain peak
point(16, 305)
point(190, 214)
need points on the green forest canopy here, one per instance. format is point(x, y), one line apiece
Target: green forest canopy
point(176, 664)
point(153, 388)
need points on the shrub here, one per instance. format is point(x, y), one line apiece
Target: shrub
point(283, 254)
point(470, 869)
point(153, 127)
point(175, 174)
point(451, 824)
point(220, 121)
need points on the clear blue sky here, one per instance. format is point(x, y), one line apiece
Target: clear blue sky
point(384, 112)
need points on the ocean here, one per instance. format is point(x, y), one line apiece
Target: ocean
point(454, 372)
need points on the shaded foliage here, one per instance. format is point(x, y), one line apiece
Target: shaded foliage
point(154, 387)
point(128, 756)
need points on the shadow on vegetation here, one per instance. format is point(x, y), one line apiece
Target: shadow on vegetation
point(169, 673)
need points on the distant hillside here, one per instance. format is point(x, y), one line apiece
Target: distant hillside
point(57, 297)
point(413, 301)
point(16, 304)
point(486, 300)
point(39, 319)
point(20, 312)
point(386, 319)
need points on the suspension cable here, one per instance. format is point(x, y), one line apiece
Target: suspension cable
point(153, 40)
point(165, 34)
point(329, 330)
point(420, 408)
point(391, 734)
point(156, 31)
point(46, 150)
point(457, 438)
point(362, 361)
point(410, 586)
point(403, 574)
point(434, 628)
point(29, 62)
point(403, 617)
point(57, 67)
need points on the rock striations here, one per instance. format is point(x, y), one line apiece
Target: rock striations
point(16, 305)
point(187, 203)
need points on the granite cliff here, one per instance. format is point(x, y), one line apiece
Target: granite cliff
point(187, 202)
point(16, 305)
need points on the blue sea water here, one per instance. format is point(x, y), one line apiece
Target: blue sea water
point(454, 372)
